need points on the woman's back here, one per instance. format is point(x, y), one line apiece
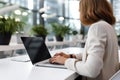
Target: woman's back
point(110, 57)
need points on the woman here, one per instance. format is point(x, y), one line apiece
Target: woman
point(100, 56)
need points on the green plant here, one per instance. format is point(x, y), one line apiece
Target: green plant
point(60, 29)
point(10, 25)
point(39, 30)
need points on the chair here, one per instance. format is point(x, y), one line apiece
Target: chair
point(116, 76)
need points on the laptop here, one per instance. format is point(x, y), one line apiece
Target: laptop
point(38, 52)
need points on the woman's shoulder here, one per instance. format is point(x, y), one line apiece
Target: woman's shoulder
point(99, 28)
point(100, 25)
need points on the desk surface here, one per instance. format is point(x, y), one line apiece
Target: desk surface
point(14, 70)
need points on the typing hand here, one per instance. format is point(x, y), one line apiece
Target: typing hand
point(58, 59)
point(62, 54)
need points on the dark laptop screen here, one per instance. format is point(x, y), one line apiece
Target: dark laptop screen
point(36, 49)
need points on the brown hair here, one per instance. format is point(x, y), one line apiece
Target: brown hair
point(92, 11)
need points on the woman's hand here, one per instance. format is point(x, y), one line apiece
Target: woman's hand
point(62, 54)
point(58, 59)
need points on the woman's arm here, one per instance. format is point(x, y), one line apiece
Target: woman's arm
point(95, 49)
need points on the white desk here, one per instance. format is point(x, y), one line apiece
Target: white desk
point(13, 70)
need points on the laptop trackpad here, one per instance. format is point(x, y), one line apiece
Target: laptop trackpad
point(46, 63)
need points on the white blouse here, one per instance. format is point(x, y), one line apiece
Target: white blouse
point(100, 56)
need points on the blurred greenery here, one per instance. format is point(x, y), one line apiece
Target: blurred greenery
point(10, 25)
point(61, 29)
point(39, 30)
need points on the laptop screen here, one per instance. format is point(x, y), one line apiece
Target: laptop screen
point(36, 49)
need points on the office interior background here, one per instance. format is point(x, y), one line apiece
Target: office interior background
point(45, 12)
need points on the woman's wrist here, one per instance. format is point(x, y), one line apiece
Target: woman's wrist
point(71, 55)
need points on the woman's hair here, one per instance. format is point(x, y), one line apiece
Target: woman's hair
point(92, 11)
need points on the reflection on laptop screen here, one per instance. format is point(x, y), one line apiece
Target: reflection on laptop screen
point(36, 49)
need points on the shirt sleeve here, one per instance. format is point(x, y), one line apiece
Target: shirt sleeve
point(79, 56)
point(95, 49)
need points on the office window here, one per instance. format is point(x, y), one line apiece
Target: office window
point(116, 8)
point(72, 12)
point(68, 10)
